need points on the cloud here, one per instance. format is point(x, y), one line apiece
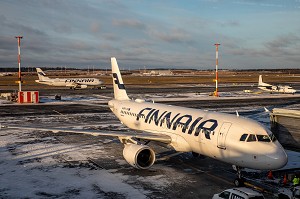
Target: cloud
point(81, 33)
point(129, 23)
point(63, 28)
point(284, 41)
point(279, 52)
point(95, 27)
point(262, 3)
point(230, 24)
point(7, 42)
point(171, 36)
point(79, 45)
point(11, 27)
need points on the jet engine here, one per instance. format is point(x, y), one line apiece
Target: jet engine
point(82, 86)
point(139, 156)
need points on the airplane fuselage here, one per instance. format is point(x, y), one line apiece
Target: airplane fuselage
point(278, 89)
point(274, 89)
point(213, 134)
point(69, 82)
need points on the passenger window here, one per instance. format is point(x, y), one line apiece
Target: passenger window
point(224, 194)
point(243, 137)
point(251, 138)
point(263, 138)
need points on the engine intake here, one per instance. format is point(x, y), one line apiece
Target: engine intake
point(139, 156)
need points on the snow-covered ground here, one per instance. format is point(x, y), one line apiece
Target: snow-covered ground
point(47, 167)
point(35, 165)
point(33, 171)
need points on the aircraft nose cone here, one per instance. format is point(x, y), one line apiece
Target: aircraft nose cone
point(277, 160)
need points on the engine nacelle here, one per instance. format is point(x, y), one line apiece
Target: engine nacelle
point(82, 86)
point(139, 156)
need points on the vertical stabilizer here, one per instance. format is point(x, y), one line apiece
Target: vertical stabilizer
point(119, 88)
point(41, 74)
point(260, 82)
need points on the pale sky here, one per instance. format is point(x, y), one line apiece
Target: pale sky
point(154, 33)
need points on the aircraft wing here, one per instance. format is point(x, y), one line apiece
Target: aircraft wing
point(139, 135)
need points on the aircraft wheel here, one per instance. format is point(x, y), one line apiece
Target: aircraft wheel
point(238, 182)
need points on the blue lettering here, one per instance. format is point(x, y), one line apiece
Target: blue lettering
point(147, 117)
point(181, 123)
point(192, 127)
point(140, 113)
point(167, 119)
point(154, 117)
point(207, 130)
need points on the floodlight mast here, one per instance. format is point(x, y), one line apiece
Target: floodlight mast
point(19, 61)
point(216, 94)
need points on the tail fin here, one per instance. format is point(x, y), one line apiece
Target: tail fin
point(119, 88)
point(41, 74)
point(260, 82)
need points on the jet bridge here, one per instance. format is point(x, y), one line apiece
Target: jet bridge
point(285, 124)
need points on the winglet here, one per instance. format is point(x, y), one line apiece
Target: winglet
point(119, 88)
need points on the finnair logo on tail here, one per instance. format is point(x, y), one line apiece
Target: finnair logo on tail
point(116, 80)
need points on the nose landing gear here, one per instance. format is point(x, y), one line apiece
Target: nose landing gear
point(239, 180)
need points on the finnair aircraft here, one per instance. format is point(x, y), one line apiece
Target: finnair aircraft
point(73, 83)
point(229, 138)
point(274, 89)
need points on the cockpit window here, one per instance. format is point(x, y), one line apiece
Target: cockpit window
point(263, 138)
point(251, 138)
point(243, 137)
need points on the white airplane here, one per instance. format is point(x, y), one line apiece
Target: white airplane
point(73, 83)
point(274, 89)
point(229, 138)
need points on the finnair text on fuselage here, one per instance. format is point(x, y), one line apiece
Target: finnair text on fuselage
point(172, 121)
point(84, 80)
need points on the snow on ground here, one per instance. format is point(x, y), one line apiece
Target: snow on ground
point(78, 99)
point(32, 168)
point(36, 167)
point(223, 95)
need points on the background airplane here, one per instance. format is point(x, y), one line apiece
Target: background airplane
point(73, 83)
point(274, 89)
point(226, 137)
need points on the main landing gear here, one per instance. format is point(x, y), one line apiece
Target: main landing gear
point(239, 180)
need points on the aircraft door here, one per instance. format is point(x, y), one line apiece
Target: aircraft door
point(222, 135)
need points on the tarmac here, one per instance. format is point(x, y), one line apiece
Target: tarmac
point(37, 164)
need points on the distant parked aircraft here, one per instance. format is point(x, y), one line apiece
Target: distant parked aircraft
point(73, 83)
point(274, 89)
